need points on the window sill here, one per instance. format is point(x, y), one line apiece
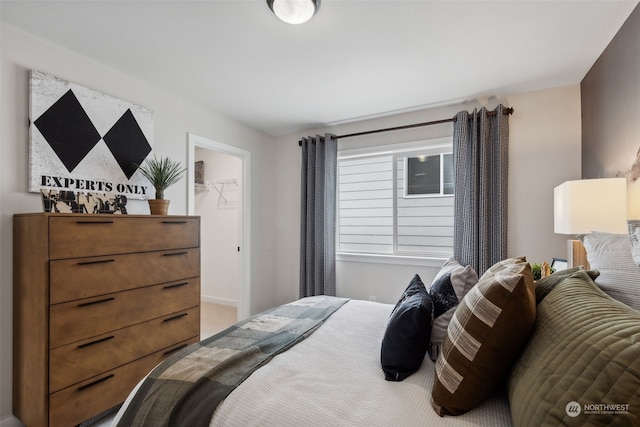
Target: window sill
point(421, 261)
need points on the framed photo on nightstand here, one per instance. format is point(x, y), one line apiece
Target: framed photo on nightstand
point(558, 264)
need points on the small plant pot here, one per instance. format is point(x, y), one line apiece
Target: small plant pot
point(158, 207)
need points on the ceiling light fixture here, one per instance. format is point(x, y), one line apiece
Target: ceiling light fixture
point(294, 11)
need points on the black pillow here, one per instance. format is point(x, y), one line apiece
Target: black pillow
point(408, 332)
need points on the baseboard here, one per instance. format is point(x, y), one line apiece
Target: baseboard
point(216, 300)
point(11, 421)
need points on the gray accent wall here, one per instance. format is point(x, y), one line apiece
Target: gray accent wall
point(610, 94)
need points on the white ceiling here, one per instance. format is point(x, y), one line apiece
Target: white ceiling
point(353, 60)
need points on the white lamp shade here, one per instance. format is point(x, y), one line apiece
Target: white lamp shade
point(589, 205)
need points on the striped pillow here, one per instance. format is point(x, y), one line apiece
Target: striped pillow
point(488, 330)
point(619, 275)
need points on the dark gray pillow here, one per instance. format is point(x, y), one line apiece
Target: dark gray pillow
point(450, 285)
point(408, 332)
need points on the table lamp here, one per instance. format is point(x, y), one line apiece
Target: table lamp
point(588, 205)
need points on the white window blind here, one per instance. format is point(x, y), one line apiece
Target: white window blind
point(366, 204)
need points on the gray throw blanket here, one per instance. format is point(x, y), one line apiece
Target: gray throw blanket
point(186, 388)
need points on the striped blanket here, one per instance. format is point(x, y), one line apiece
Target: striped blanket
point(186, 388)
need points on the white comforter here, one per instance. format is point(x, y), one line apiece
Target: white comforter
point(334, 378)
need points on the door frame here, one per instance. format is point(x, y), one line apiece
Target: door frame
point(193, 141)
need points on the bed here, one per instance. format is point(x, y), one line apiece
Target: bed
point(559, 351)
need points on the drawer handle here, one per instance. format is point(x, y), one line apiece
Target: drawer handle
point(100, 301)
point(175, 317)
point(94, 222)
point(174, 222)
point(173, 350)
point(110, 337)
point(177, 285)
point(96, 382)
point(176, 253)
point(104, 261)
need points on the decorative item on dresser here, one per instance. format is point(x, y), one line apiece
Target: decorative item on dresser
point(99, 300)
point(162, 173)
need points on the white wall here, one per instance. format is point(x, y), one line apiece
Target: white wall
point(173, 118)
point(219, 233)
point(544, 152)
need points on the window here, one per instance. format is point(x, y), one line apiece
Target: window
point(398, 201)
point(429, 175)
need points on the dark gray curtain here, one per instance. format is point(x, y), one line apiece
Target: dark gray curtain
point(481, 157)
point(318, 216)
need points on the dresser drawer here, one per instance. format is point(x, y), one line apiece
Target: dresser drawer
point(78, 278)
point(83, 236)
point(86, 318)
point(75, 362)
point(72, 405)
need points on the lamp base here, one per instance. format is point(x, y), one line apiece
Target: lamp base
point(576, 254)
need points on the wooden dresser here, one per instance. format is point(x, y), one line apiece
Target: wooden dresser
point(99, 300)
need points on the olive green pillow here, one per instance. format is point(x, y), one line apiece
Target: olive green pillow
point(546, 284)
point(582, 364)
point(485, 336)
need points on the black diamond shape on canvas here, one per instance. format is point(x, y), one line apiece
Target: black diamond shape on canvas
point(68, 130)
point(127, 143)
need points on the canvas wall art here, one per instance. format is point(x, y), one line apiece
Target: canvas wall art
point(83, 140)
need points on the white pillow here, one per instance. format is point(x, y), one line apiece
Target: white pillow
point(610, 254)
point(634, 238)
point(450, 285)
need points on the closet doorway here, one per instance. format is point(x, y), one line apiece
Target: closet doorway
point(219, 192)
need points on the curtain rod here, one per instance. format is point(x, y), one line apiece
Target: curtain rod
point(415, 125)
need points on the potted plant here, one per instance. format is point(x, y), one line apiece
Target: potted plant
point(162, 173)
point(541, 270)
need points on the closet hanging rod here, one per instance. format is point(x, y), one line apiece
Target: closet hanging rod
point(415, 125)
